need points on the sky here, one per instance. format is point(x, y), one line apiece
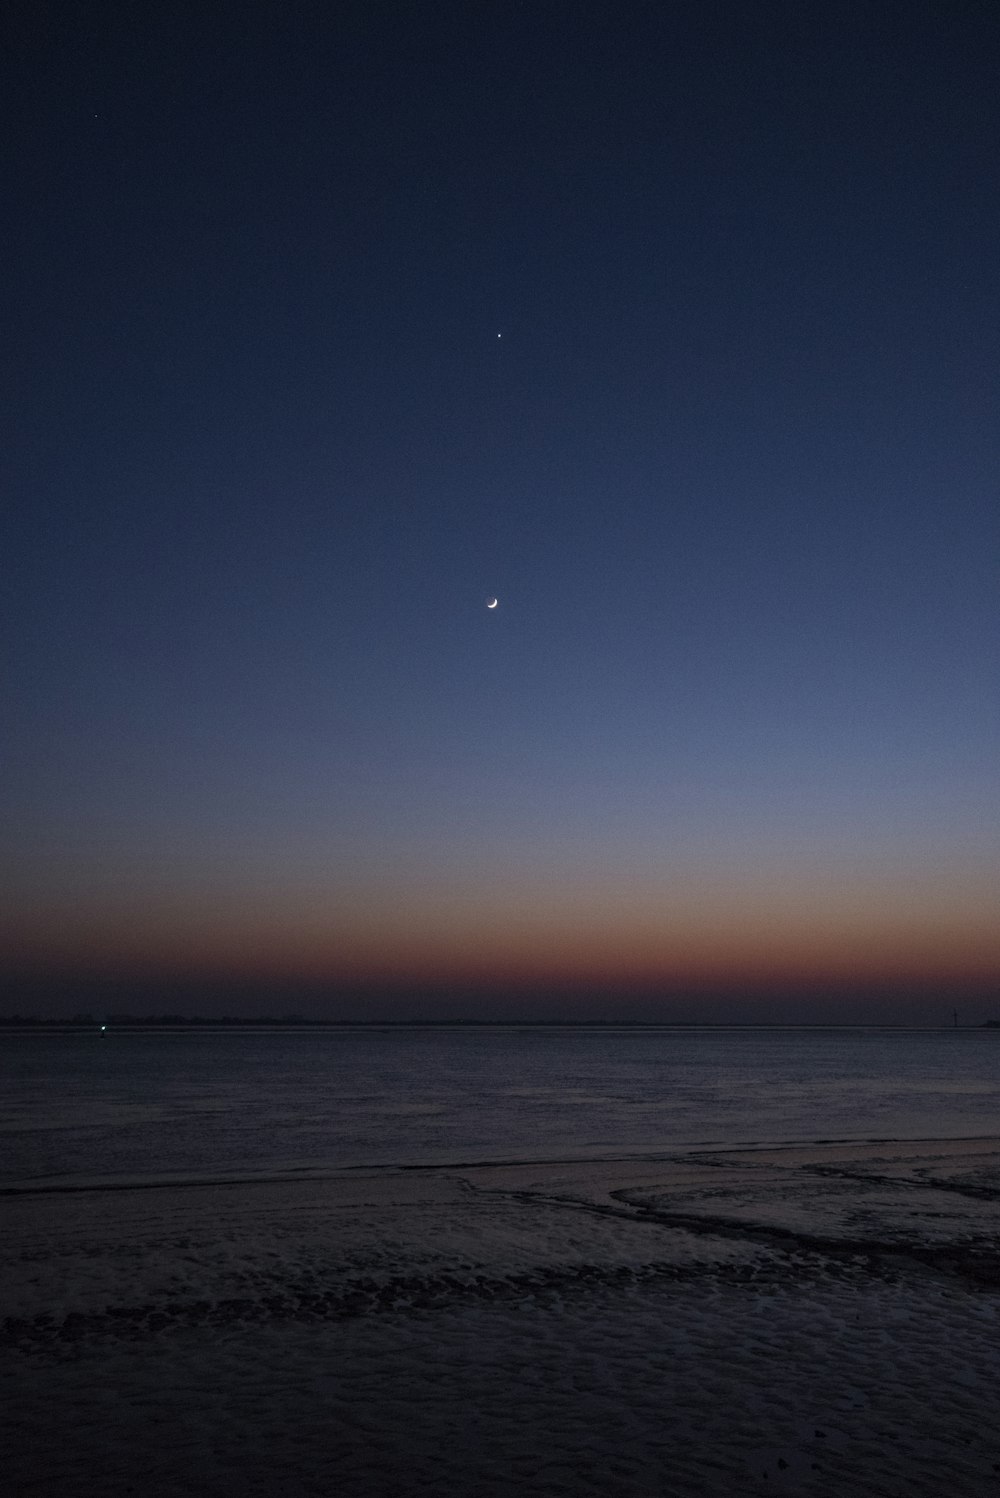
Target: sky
point(671, 327)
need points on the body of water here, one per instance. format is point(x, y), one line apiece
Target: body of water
point(85, 1105)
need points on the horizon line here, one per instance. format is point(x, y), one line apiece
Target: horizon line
point(295, 1022)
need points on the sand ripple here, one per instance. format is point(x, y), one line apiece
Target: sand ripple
point(817, 1323)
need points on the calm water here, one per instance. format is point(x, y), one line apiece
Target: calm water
point(75, 1106)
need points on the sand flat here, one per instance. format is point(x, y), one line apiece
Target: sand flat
point(818, 1320)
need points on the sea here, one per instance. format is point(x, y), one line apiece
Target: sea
point(80, 1107)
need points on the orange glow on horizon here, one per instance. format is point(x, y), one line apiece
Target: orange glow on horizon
point(696, 935)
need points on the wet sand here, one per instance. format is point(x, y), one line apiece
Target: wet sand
point(811, 1320)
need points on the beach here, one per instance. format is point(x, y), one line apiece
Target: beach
point(816, 1319)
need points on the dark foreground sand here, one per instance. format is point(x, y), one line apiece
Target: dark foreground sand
point(814, 1321)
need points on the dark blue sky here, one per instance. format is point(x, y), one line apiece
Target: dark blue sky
point(731, 470)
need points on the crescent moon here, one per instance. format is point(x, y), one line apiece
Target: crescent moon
point(491, 603)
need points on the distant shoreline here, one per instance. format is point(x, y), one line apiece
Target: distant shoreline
point(229, 1022)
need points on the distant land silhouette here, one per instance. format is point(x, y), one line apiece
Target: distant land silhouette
point(297, 1021)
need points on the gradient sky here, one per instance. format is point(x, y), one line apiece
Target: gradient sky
point(673, 326)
